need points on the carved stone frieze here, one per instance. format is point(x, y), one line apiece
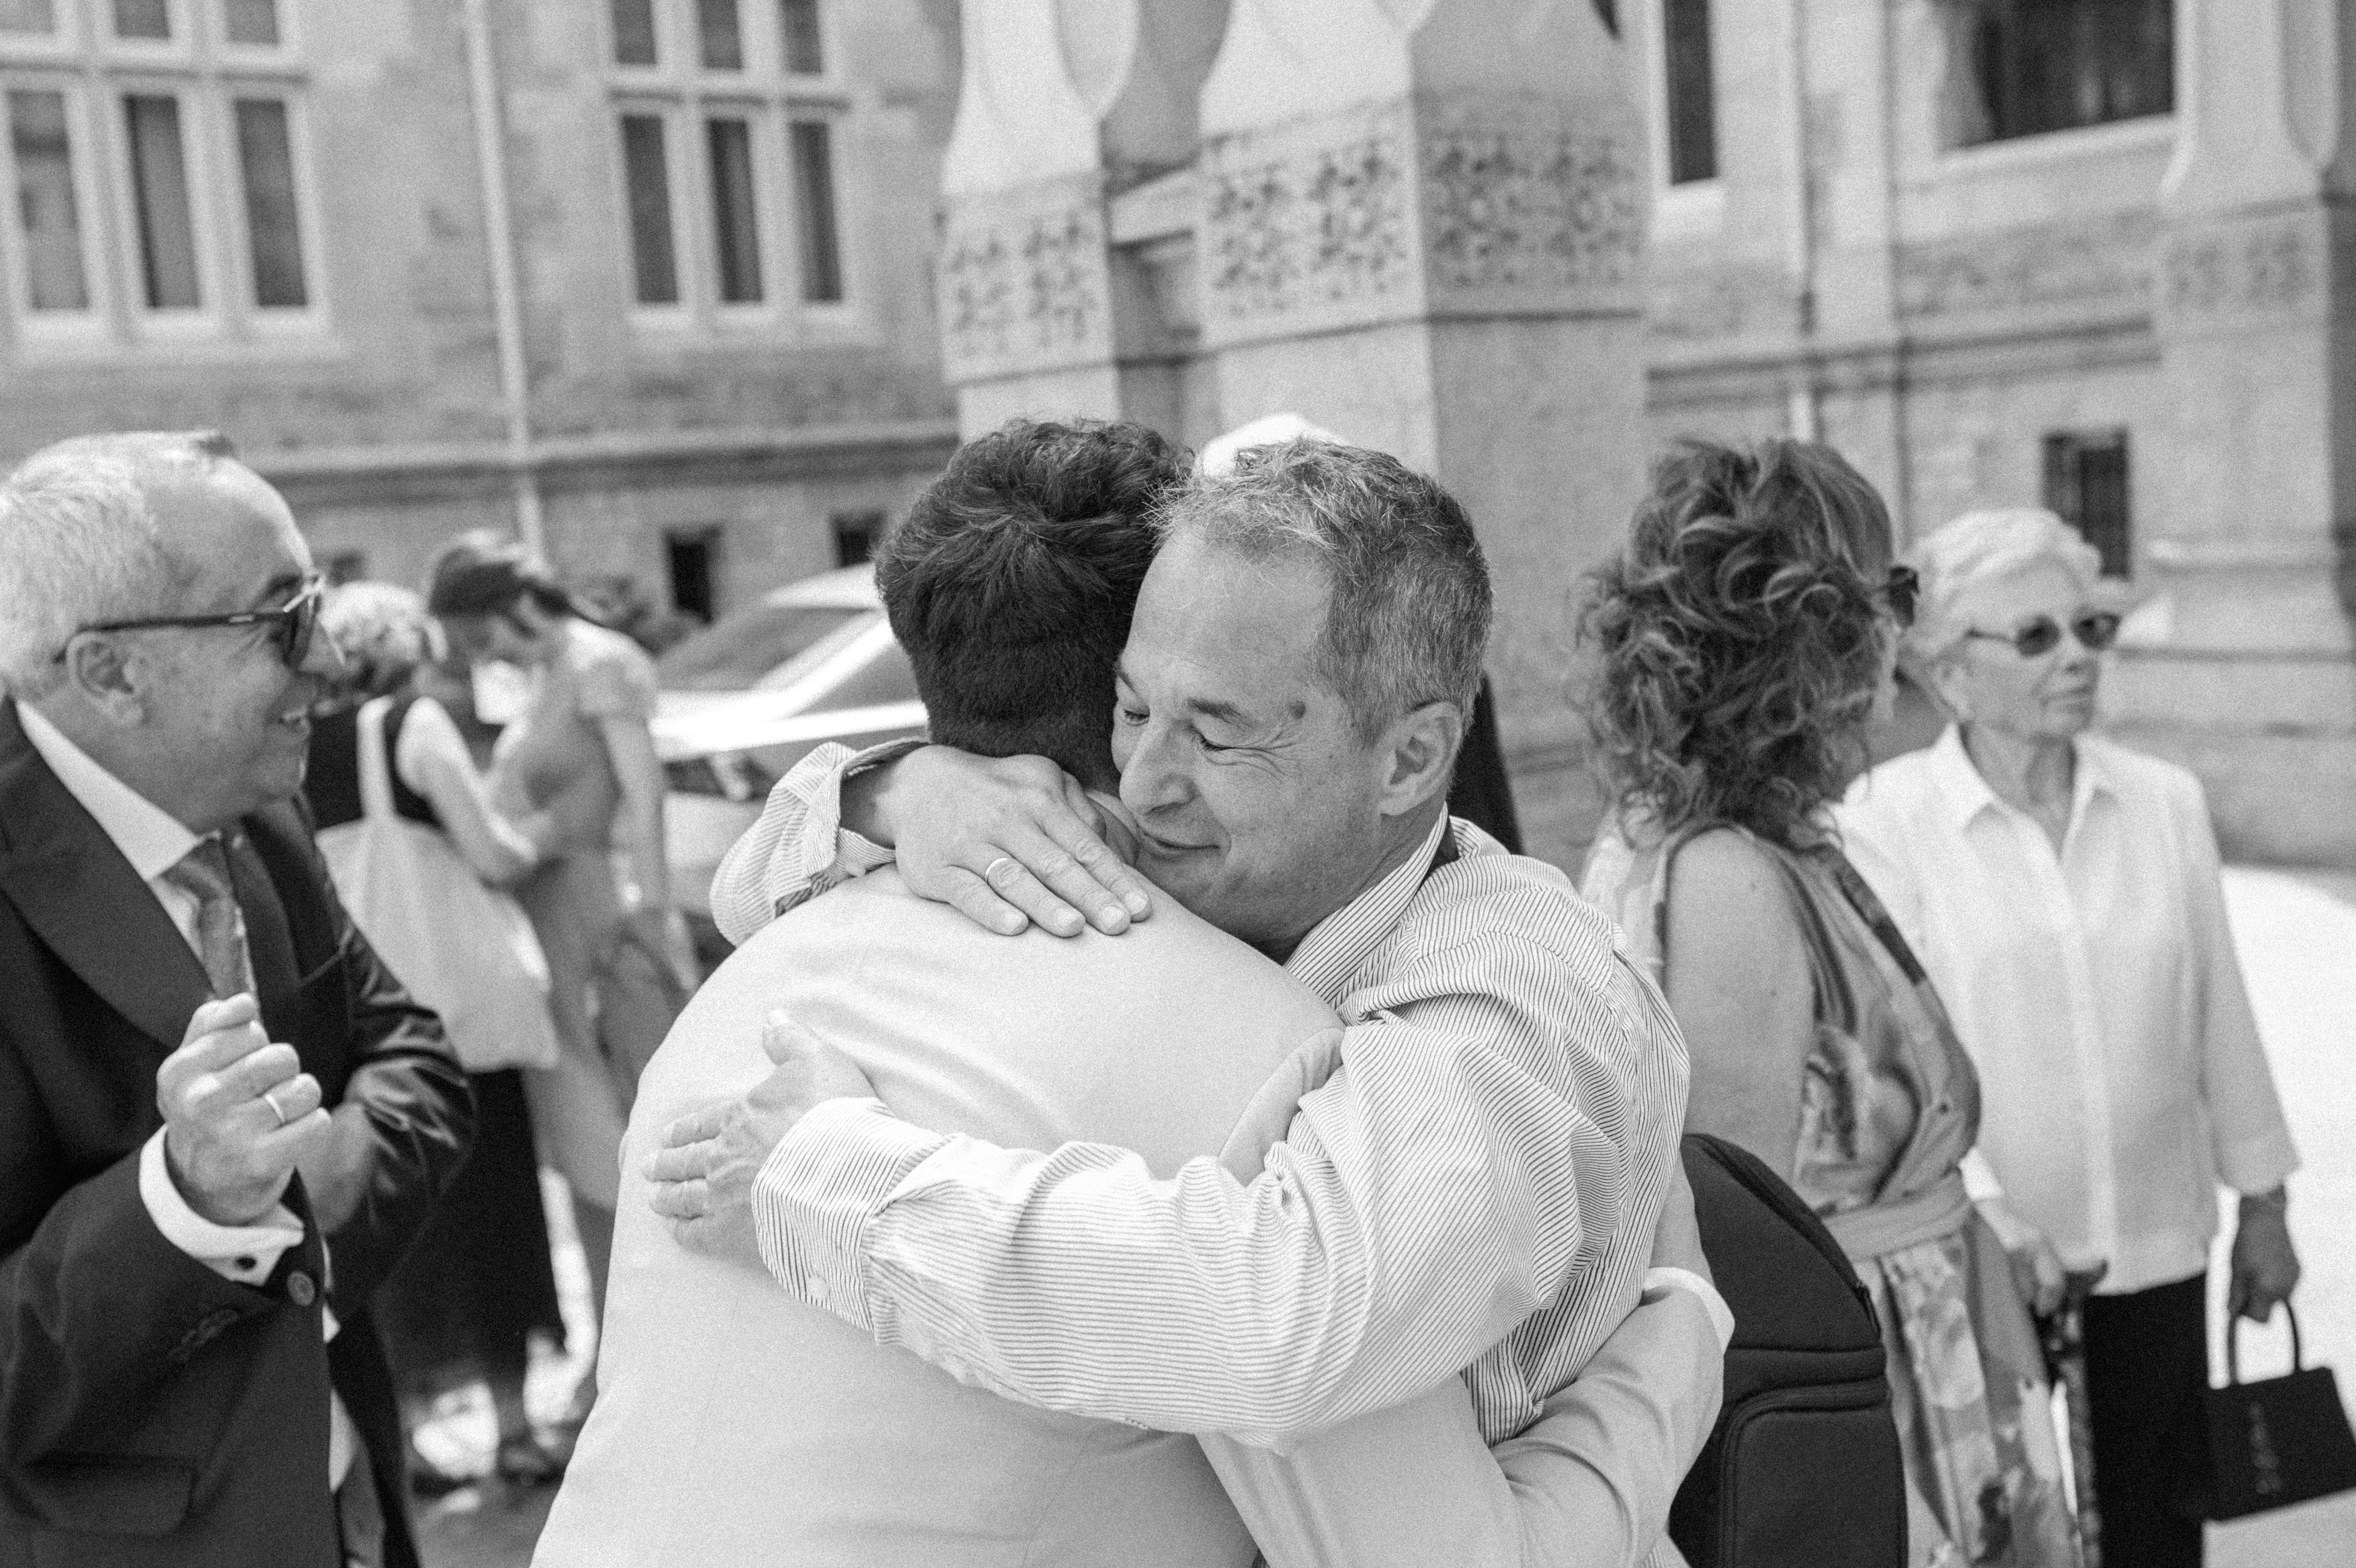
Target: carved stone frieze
point(1721, 300)
point(2099, 264)
point(1529, 204)
point(1024, 281)
point(1309, 224)
point(2271, 263)
point(1387, 212)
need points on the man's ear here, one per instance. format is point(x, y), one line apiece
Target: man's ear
point(1419, 756)
point(111, 676)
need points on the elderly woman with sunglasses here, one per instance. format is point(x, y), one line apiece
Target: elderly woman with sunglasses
point(2062, 892)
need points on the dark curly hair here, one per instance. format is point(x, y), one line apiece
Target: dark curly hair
point(1740, 638)
point(1013, 580)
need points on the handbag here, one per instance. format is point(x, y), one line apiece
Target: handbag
point(465, 950)
point(2273, 1442)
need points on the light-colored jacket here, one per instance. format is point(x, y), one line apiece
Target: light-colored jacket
point(737, 1425)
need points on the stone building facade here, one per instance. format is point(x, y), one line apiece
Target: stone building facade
point(2090, 253)
point(648, 280)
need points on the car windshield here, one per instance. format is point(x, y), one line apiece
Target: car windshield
point(735, 654)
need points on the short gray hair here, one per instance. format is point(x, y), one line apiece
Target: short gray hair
point(80, 543)
point(383, 634)
point(1979, 547)
point(1408, 612)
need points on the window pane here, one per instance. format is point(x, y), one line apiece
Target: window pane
point(649, 192)
point(159, 186)
point(26, 17)
point(736, 223)
point(2052, 65)
point(634, 32)
point(142, 19)
point(250, 21)
point(822, 250)
point(266, 155)
point(45, 201)
point(1692, 91)
point(805, 49)
point(2086, 484)
point(724, 43)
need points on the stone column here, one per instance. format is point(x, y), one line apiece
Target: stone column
point(1064, 105)
point(1420, 226)
point(2243, 670)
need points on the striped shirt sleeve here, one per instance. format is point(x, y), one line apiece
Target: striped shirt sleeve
point(799, 848)
point(1426, 1201)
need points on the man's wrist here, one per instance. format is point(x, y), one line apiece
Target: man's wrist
point(865, 797)
point(2274, 1203)
point(204, 1206)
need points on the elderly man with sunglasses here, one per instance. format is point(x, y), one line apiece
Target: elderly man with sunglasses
point(221, 1121)
point(2062, 892)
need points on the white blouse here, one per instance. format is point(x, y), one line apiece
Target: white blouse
point(2097, 991)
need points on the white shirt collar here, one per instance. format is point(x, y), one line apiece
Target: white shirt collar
point(151, 839)
point(1967, 795)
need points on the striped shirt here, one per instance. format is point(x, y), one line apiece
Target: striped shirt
point(1474, 1188)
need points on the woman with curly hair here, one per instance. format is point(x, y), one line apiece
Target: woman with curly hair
point(1746, 634)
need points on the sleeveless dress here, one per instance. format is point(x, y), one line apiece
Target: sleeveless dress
point(1890, 1106)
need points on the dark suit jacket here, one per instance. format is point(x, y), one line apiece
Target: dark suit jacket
point(150, 1410)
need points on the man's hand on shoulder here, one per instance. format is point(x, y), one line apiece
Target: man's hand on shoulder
point(703, 1175)
point(1007, 841)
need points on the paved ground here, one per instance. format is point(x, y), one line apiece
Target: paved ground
point(2298, 935)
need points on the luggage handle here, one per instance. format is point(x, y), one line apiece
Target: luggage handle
point(2233, 1346)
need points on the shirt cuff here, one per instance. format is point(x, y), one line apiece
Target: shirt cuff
point(245, 1253)
point(1722, 1316)
point(855, 855)
point(1980, 1181)
point(819, 1190)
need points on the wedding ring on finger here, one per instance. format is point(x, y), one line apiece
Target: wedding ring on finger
point(990, 872)
point(271, 1095)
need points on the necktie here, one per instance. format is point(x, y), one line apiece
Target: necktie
point(203, 874)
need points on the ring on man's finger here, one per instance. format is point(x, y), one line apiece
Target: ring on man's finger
point(271, 1097)
point(990, 872)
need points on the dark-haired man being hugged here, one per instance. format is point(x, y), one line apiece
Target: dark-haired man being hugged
point(737, 1424)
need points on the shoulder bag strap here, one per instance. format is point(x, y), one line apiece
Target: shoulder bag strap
point(375, 764)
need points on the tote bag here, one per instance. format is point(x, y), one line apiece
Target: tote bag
point(463, 949)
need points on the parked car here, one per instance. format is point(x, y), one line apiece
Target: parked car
point(745, 698)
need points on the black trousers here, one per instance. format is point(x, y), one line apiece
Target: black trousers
point(2147, 1362)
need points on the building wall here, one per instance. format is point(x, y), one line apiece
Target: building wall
point(379, 409)
point(1937, 310)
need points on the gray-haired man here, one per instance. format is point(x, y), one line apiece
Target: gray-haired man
point(221, 1121)
point(1475, 1188)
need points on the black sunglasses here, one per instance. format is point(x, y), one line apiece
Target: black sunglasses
point(292, 625)
point(2096, 630)
point(1902, 593)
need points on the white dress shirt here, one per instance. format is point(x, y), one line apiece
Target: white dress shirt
point(1475, 1186)
point(153, 842)
point(2121, 1073)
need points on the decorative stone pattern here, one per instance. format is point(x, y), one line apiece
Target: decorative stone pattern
point(2270, 264)
point(2104, 263)
point(1530, 205)
point(1384, 212)
point(1024, 283)
point(1309, 223)
point(1722, 300)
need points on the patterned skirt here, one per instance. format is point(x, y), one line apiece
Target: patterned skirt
point(1975, 1417)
